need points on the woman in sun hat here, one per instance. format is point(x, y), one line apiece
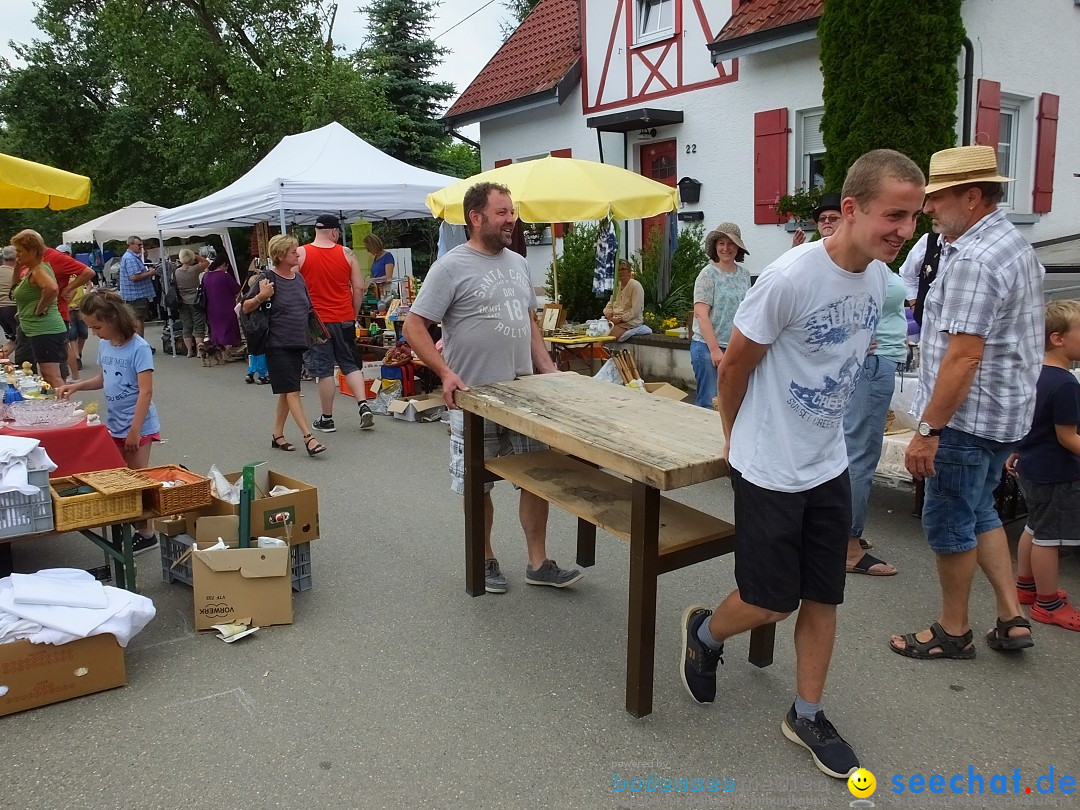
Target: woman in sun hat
point(720, 288)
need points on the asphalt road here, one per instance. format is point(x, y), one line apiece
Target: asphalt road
point(393, 689)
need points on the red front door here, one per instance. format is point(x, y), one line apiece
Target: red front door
point(657, 163)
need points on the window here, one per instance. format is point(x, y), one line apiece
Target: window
point(812, 150)
point(1008, 141)
point(655, 18)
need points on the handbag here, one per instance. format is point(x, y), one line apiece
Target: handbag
point(172, 298)
point(316, 329)
point(256, 326)
point(200, 298)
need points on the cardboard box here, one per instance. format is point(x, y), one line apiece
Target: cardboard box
point(666, 390)
point(171, 525)
point(426, 408)
point(39, 674)
point(237, 583)
point(301, 509)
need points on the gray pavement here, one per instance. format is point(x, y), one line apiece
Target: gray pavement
point(395, 689)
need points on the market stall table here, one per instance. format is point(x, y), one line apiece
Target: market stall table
point(590, 427)
point(563, 348)
point(77, 449)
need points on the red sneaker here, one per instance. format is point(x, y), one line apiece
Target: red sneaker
point(1028, 597)
point(1065, 616)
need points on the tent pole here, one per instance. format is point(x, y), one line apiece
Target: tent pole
point(281, 218)
point(165, 288)
point(554, 267)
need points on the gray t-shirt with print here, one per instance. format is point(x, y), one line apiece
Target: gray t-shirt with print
point(485, 304)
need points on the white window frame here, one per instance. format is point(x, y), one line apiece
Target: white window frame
point(660, 30)
point(1020, 111)
point(810, 144)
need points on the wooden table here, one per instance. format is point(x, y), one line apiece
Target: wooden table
point(591, 428)
point(568, 345)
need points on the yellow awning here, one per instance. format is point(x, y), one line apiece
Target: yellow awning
point(25, 184)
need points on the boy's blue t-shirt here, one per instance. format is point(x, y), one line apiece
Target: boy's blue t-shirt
point(1057, 402)
point(120, 367)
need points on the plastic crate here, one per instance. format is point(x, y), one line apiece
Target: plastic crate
point(27, 514)
point(175, 549)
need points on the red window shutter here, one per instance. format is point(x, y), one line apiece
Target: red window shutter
point(504, 162)
point(1045, 153)
point(558, 229)
point(988, 119)
point(770, 164)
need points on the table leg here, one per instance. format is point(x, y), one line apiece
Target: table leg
point(124, 564)
point(586, 543)
point(761, 645)
point(474, 504)
point(641, 612)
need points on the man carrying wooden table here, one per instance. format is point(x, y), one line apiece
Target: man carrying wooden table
point(483, 296)
point(799, 341)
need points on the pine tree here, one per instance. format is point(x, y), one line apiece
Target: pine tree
point(399, 59)
point(890, 78)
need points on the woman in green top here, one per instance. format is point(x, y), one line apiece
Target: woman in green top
point(35, 297)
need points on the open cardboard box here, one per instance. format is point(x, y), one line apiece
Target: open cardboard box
point(426, 408)
point(237, 583)
point(665, 390)
point(301, 509)
point(39, 674)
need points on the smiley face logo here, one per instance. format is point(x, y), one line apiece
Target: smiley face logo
point(862, 784)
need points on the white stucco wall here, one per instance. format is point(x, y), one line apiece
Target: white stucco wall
point(1029, 47)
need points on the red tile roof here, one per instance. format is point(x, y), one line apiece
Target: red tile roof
point(535, 58)
point(755, 16)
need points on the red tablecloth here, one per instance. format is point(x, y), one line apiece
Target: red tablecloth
point(75, 449)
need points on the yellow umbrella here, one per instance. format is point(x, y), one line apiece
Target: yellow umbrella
point(555, 189)
point(25, 184)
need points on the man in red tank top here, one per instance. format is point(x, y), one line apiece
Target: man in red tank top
point(336, 285)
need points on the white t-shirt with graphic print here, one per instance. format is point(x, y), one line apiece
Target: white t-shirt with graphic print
point(818, 320)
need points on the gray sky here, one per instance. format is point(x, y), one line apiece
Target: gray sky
point(471, 44)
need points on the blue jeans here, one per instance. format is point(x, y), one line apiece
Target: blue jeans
point(864, 431)
point(959, 502)
point(704, 373)
point(257, 365)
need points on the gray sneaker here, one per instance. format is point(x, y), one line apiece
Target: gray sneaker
point(367, 418)
point(550, 574)
point(494, 581)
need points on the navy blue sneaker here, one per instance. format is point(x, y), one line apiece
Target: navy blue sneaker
point(831, 752)
point(697, 666)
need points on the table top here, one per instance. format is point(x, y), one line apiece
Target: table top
point(75, 449)
point(664, 443)
point(578, 339)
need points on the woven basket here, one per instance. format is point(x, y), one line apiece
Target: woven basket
point(94, 508)
point(193, 494)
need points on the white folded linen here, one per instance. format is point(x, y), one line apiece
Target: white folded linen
point(18, 454)
point(35, 589)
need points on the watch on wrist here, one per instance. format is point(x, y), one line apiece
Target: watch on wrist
point(926, 430)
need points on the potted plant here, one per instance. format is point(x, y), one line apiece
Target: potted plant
point(534, 232)
point(800, 204)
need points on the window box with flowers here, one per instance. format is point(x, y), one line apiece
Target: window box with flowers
point(799, 205)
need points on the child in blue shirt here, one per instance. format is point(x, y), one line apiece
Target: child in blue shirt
point(1047, 467)
point(127, 375)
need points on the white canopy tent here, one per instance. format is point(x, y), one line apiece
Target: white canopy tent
point(326, 170)
point(140, 219)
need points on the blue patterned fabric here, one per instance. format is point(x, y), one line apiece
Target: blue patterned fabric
point(607, 246)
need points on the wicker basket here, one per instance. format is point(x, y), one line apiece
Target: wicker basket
point(118, 497)
point(193, 494)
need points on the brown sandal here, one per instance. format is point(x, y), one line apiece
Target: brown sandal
point(313, 451)
point(947, 646)
point(279, 443)
point(1000, 640)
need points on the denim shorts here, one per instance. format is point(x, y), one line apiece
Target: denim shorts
point(959, 502)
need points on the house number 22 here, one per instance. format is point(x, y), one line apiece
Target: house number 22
point(691, 149)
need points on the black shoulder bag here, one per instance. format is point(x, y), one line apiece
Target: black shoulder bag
point(927, 274)
point(256, 324)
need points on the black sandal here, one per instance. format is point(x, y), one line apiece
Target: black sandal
point(284, 445)
point(1000, 640)
point(947, 646)
point(313, 451)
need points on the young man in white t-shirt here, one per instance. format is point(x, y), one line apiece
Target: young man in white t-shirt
point(798, 344)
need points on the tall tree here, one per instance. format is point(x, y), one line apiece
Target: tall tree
point(399, 59)
point(890, 78)
point(519, 10)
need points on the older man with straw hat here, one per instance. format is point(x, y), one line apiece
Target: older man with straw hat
point(982, 338)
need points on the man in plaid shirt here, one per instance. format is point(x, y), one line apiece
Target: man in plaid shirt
point(136, 282)
point(981, 342)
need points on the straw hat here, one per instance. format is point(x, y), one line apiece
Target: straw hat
point(964, 164)
point(728, 229)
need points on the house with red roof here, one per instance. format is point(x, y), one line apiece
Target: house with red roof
point(728, 93)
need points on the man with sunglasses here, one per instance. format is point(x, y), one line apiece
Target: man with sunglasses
point(826, 217)
point(137, 282)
